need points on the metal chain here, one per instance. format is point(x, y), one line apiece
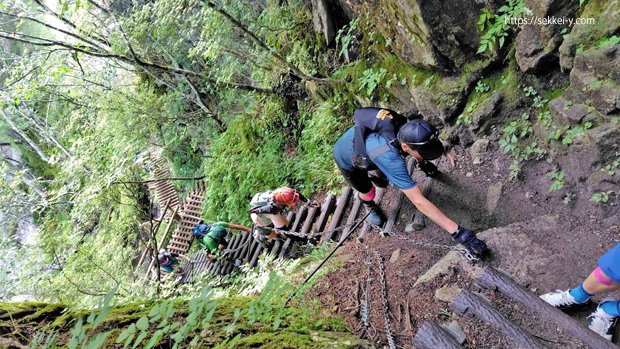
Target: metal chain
point(460, 249)
point(365, 308)
point(313, 234)
point(386, 309)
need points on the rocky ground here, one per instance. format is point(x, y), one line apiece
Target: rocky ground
point(544, 240)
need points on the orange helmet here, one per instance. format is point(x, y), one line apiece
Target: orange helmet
point(285, 196)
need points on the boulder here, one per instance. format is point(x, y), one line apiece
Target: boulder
point(435, 34)
point(444, 97)
point(563, 109)
point(488, 108)
point(595, 79)
point(536, 44)
point(607, 140)
point(478, 149)
point(494, 194)
point(607, 21)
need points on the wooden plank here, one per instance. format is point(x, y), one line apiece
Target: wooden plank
point(305, 228)
point(492, 278)
point(244, 239)
point(247, 255)
point(326, 208)
point(352, 216)
point(366, 227)
point(234, 243)
point(254, 259)
point(432, 336)
point(294, 227)
point(467, 302)
point(341, 205)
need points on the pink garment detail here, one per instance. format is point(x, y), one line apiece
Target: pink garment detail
point(369, 196)
point(600, 277)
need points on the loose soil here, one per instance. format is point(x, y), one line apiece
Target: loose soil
point(583, 232)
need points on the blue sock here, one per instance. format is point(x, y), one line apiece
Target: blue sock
point(611, 307)
point(580, 294)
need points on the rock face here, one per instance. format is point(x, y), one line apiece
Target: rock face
point(594, 91)
point(323, 21)
point(595, 78)
point(566, 111)
point(607, 15)
point(435, 34)
point(486, 111)
point(442, 100)
point(537, 44)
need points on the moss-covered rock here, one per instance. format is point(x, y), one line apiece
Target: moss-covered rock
point(440, 35)
point(537, 44)
point(606, 15)
point(229, 327)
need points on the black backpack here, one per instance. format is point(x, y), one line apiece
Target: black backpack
point(383, 121)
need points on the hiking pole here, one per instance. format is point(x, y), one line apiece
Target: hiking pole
point(340, 243)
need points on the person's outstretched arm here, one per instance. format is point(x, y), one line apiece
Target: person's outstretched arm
point(429, 209)
point(238, 227)
point(462, 235)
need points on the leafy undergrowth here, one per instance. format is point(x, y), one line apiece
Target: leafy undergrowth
point(238, 311)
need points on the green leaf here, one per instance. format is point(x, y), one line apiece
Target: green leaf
point(501, 41)
point(143, 323)
point(140, 338)
point(154, 339)
point(98, 341)
point(482, 48)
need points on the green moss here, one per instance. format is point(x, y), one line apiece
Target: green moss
point(553, 94)
point(605, 13)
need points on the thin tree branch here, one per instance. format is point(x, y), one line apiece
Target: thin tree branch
point(25, 137)
point(81, 38)
point(262, 44)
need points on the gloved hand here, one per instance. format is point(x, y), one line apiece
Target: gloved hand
point(429, 169)
point(314, 203)
point(469, 240)
point(261, 231)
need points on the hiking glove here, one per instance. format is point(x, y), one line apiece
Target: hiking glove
point(262, 231)
point(469, 240)
point(270, 208)
point(429, 169)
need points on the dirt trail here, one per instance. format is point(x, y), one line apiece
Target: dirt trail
point(547, 245)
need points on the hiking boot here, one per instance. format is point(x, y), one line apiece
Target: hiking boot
point(603, 323)
point(375, 216)
point(561, 299)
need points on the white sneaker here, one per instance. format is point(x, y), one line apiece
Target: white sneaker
point(559, 299)
point(602, 323)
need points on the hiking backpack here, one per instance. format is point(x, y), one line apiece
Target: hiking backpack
point(201, 230)
point(383, 121)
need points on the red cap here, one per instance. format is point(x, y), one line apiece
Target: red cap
point(285, 196)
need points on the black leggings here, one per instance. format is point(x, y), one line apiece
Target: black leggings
point(361, 181)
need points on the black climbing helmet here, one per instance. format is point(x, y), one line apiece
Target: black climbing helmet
point(164, 257)
point(421, 136)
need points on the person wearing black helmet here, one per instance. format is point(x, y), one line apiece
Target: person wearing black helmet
point(417, 138)
point(169, 261)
